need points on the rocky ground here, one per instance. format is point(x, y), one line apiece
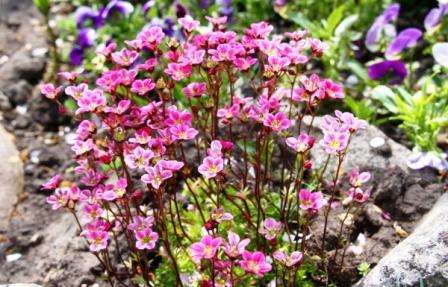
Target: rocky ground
point(41, 246)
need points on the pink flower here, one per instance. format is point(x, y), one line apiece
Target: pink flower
point(81, 147)
point(350, 122)
point(142, 87)
point(90, 101)
point(271, 228)
point(219, 215)
point(259, 30)
point(188, 23)
point(178, 71)
point(172, 165)
point(151, 37)
point(289, 261)
point(194, 90)
point(244, 63)
point(138, 158)
point(140, 223)
point(302, 143)
point(117, 190)
point(358, 195)
point(156, 175)
point(211, 166)
point(50, 91)
point(234, 247)
point(277, 122)
point(76, 91)
point(205, 249)
point(277, 63)
point(332, 90)
point(53, 183)
point(146, 239)
point(69, 76)
point(215, 149)
point(318, 47)
point(357, 179)
point(91, 212)
point(334, 142)
point(97, 239)
point(106, 49)
point(226, 52)
point(125, 57)
point(255, 262)
point(229, 112)
point(148, 65)
point(183, 132)
point(311, 201)
point(59, 199)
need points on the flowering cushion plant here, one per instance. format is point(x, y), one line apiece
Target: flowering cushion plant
point(176, 163)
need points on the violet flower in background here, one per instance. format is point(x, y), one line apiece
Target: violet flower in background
point(148, 5)
point(394, 70)
point(84, 14)
point(120, 7)
point(382, 26)
point(419, 160)
point(225, 7)
point(405, 39)
point(87, 35)
point(435, 16)
point(440, 53)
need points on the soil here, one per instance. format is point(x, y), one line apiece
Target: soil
point(51, 253)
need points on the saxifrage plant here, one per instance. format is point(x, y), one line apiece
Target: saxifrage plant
point(193, 159)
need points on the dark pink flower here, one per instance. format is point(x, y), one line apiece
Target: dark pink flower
point(235, 247)
point(178, 71)
point(50, 91)
point(311, 201)
point(142, 87)
point(211, 166)
point(156, 175)
point(255, 263)
point(125, 57)
point(194, 90)
point(288, 260)
point(271, 228)
point(53, 183)
point(277, 122)
point(146, 239)
point(302, 143)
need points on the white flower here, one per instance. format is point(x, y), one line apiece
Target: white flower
point(440, 53)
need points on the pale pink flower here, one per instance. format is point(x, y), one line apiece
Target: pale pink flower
point(277, 122)
point(90, 101)
point(219, 215)
point(138, 158)
point(205, 249)
point(59, 198)
point(146, 239)
point(211, 166)
point(156, 175)
point(359, 195)
point(76, 91)
point(271, 228)
point(277, 63)
point(183, 132)
point(288, 260)
point(98, 240)
point(50, 91)
point(142, 87)
point(125, 57)
point(302, 143)
point(178, 71)
point(357, 179)
point(188, 23)
point(140, 223)
point(334, 142)
point(259, 30)
point(81, 147)
point(235, 247)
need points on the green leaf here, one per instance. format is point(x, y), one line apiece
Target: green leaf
point(345, 25)
point(334, 19)
point(300, 19)
point(43, 6)
point(358, 70)
point(387, 97)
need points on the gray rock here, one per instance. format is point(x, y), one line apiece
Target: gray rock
point(11, 175)
point(20, 285)
point(361, 154)
point(420, 258)
point(18, 93)
point(5, 105)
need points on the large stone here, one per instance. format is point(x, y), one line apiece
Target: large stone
point(368, 148)
point(11, 176)
point(20, 285)
point(422, 258)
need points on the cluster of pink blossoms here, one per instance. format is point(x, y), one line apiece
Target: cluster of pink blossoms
point(135, 143)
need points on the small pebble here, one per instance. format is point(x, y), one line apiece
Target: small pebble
point(13, 257)
point(377, 142)
point(3, 59)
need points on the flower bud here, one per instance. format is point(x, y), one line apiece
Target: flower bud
point(119, 135)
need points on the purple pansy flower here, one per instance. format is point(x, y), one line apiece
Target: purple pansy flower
point(84, 14)
point(225, 7)
point(419, 160)
point(435, 16)
point(76, 56)
point(381, 25)
point(395, 70)
point(86, 37)
point(147, 6)
point(121, 7)
point(405, 39)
